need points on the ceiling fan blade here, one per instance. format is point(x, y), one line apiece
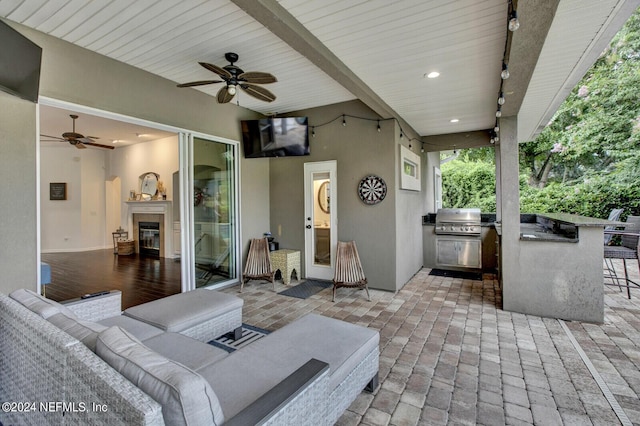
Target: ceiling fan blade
point(218, 70)
point(224, 96)
point(258, 92)
point(257, 77)
point(97, 145)
point(87, 139)
point(199, 83)
point(53, 137)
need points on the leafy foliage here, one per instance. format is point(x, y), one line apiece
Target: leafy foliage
point(469, 184)
point(587, 160)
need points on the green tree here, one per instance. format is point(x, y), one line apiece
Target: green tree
point(595, 131)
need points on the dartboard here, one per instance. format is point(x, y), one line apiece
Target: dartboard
point(372, 189)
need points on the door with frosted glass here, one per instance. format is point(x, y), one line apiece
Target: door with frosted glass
point(214, 212)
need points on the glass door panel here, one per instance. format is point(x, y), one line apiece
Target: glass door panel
point(214, 207)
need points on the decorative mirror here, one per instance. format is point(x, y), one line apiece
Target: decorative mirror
point(324, 197)
point(149, 185)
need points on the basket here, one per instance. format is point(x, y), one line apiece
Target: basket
point(126, 248)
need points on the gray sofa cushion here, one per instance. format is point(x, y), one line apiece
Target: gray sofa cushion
point(186, 398)
point(85, 331)
point(187, 351)
point(141, 330)
point(247, 373)
point(39, 304)
point(184, 310)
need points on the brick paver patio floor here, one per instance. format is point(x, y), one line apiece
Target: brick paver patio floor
point(450, 355)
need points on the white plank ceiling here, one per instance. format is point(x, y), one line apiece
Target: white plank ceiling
point(388, 44)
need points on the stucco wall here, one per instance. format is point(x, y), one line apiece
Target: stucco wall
point(359, 150)
point(18, 233)
point(410, 207)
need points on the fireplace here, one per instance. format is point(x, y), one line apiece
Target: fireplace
point(158, 212)
point(149, 239)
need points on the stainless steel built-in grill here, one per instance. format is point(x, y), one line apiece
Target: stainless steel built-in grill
point(458, 241)
point(458, 222)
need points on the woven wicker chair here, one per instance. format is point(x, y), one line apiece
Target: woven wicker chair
point(348, 271)
point(628, 249)
point(258, 266)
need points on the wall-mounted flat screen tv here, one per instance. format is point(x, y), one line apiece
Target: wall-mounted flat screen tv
point(19, 64)
point(275, 137)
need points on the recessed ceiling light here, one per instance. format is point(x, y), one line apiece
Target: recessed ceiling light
point(432, 74)
point(454, 120)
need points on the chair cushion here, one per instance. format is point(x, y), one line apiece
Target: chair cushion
point(85, 331)
point(184, 310)
point(186, 398)
point(187, 351)
point(141, 330)
point(39, 304)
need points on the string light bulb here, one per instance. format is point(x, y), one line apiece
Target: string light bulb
point(501, 99)
point(344, 121)
point(497, 128)
point(505, 71)
point(499, 112)
point(313, 132)
point(379, 130)
point(514, 23)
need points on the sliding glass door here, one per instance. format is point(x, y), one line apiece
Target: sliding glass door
point(213, 174)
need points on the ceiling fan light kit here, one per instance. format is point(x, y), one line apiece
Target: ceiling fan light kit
point(234, 76)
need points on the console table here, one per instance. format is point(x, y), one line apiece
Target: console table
point(287, 261)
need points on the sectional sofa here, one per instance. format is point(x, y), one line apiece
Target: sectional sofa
point(86, 363)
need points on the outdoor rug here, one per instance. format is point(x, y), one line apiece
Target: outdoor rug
point(306, 288)
point(249, 335)
point(457, 274)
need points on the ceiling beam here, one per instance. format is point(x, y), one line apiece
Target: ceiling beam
point(526, 44)
point(462, 140)
point(280, 22)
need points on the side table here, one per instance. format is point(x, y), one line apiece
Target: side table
point(119, 236)
point(287, 261)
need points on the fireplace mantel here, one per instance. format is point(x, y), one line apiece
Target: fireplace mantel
point(161, 207)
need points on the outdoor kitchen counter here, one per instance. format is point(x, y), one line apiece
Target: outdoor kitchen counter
point(559, 227)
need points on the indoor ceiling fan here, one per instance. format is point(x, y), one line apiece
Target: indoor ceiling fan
point(76, 139)
point(235, 77)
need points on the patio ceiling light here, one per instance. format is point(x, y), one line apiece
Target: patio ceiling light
point(505, 71)
point(514, 23)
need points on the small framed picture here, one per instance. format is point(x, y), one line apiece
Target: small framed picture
point(409, 170)
point(57, 190)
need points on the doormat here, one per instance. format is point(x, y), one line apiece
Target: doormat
point(249, 335)
point(306, 289)
point(457, 274)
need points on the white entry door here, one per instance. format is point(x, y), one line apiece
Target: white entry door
point(321, 218)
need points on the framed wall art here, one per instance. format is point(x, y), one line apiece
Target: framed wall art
point(57, 190)
point(409, 169)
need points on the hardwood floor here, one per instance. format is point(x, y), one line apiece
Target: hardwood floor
point(141, 279)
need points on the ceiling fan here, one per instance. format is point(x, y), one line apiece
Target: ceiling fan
point(235, 77)
point(76, 139)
